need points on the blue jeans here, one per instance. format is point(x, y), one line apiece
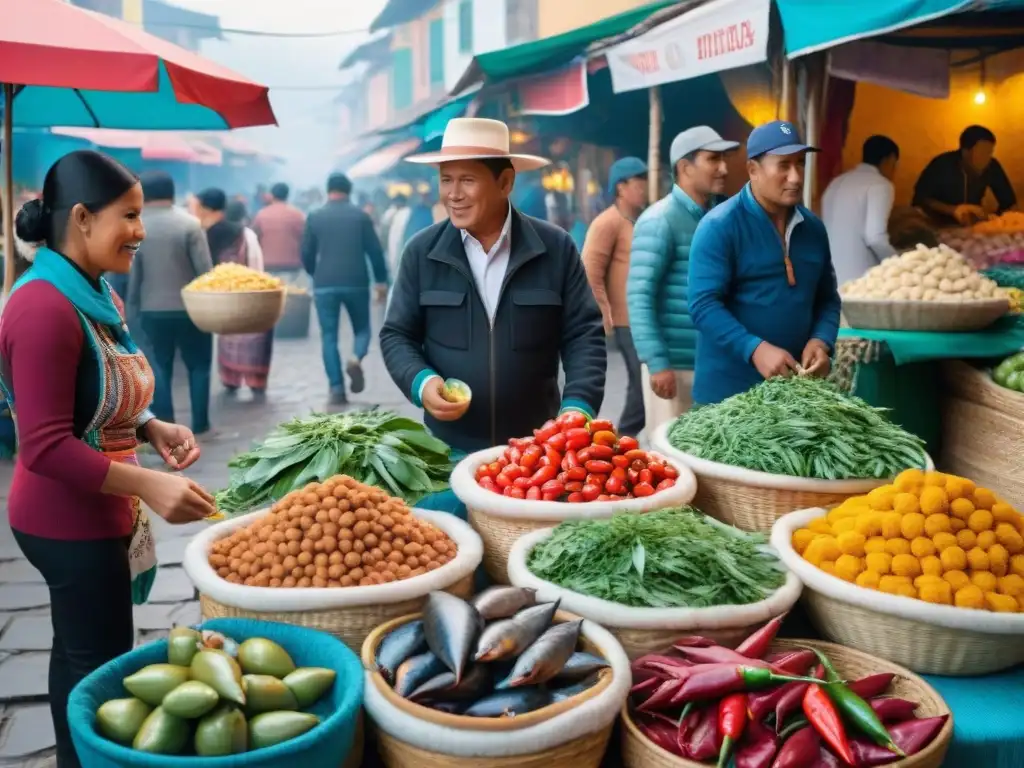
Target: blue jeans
point(167, 333)
point(329, 302)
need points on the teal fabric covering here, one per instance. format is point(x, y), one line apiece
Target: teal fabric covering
point(1001, 339)
point(38, 107)
point(657, 291)
point(446, 501)
point(987, 727)
point(326, 746)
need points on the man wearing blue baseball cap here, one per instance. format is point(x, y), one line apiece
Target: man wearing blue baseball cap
point(606, 259)
point(657, 289)
point(763, 292)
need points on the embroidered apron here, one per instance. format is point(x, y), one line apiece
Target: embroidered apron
point(126, 390)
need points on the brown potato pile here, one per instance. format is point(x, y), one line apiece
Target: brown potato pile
point(340, 533)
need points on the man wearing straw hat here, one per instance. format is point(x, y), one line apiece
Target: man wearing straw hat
point(493, 298)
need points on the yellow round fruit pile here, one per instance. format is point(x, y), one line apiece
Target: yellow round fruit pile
point(930, 536)
point(234, 278)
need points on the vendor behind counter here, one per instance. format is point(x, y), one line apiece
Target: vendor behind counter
point(952, 186)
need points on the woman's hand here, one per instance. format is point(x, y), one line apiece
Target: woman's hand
point(176, 498)
point(175, 443)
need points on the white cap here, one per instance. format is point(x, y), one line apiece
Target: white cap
point(700, 137)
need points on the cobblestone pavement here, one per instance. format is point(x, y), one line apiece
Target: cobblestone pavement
point(297, 386)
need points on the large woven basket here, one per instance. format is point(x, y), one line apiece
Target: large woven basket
point(753, 501)
point(983, 431)
point(640, 752)
point(500, 520)
point(887, 315)
point(654, 630)
point(573, 738)
point(929, 639)
point(231, 312)
point(349, 614)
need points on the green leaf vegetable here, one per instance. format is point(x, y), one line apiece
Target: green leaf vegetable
point(799, 426)
point(1006, 276)
point(671, 558)
point(375, 447)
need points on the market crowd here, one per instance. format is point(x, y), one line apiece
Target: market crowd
point(706, 297)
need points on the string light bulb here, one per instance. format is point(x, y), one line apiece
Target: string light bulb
point(980, 98)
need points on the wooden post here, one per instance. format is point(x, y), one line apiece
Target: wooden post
point(787, 90)
point(654, 145)
point(817, 85)
point(8, 190)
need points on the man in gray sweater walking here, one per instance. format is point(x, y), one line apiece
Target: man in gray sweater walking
point(174, 253)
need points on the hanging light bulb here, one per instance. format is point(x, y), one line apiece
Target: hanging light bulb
point(980, 98)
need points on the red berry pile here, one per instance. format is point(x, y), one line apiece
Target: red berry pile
point(569, 459)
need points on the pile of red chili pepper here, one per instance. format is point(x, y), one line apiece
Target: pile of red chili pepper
point(754, 709)
point(571, 459)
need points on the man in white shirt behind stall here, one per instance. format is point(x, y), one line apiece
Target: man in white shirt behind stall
point(856, 208)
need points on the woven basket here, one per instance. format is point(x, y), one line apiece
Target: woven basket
point(234, 312)
point(640, 752)
point(753, 501)
point(422, 712)
point(929, 639)
point(500, 521)
point(887, 315)
point(349, 614)
point(654, 630)
point(976, 385)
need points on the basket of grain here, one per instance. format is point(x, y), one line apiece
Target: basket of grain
point(639, 751)
point(952, 619)
point(642, 630)
point(336, 556)
point(232, 299)
point(501, 520)
point(572, 733)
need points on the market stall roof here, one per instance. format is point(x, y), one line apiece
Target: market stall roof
point(551, 52)
point(153, 145)
point(383, 160)
point(814, 25)
point(399, 12)
point(373, 50)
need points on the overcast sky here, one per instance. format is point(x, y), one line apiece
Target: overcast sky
point(308, 135)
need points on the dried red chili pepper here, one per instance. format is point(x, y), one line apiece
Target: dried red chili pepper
point(718, 680)
point(701, 740)
point(732, 720)
point(759, 747)
point(910, 736)
point(891, 710)
point(800, 750)
point(822, 714)
point(871, 686)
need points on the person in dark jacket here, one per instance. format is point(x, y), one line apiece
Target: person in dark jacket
point(494, 298)
point(339, 238)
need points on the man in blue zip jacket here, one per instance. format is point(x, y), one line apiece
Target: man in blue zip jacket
point(763, 292)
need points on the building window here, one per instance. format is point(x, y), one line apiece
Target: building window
point(401, 78)
point(466, 26)
point(520, 21)
point(437, 52)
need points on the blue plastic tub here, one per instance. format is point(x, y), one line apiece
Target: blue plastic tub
point(326, 746)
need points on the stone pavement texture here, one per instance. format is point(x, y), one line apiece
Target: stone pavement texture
point(297, 386)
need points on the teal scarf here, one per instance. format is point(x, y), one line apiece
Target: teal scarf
point(98, 306)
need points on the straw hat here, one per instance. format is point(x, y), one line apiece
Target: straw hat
point(476, 138)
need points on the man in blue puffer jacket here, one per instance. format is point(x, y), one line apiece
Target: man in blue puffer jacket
point(656, 291)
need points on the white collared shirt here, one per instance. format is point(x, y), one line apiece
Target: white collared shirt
point(489, 267)
point(856, 208)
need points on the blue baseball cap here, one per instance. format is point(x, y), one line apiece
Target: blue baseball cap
point(624, 169)
point(776, 138)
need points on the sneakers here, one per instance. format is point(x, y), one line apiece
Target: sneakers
point(354, 369)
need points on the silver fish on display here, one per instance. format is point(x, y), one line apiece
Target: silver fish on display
point(401, 644)
point(414, 672)
point(503, 602)
point(509, 703)
point(581, 665)
point(451, 626)
point(510, 637)
point(561, 694)
point(545, 658)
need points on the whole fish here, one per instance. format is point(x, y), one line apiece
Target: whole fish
point(581, 665)
point(545, 658)
point(509, 703)
point(474, 683)
point(503, 602)
point(415, 671)
point(451, 626)
point(510, 637)
point(561, 694)
point(406, 641)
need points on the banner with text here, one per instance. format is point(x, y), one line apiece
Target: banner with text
point(723, 34)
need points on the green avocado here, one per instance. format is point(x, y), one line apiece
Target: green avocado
point(272, 728)
point(264, 693)
point(220, 672)
point(154, 682)
point(162, 734)
point(190, 700)
point(120, 719)
point(182, 644)
point(310, 683)
point(222, 732)
point(259, 656)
